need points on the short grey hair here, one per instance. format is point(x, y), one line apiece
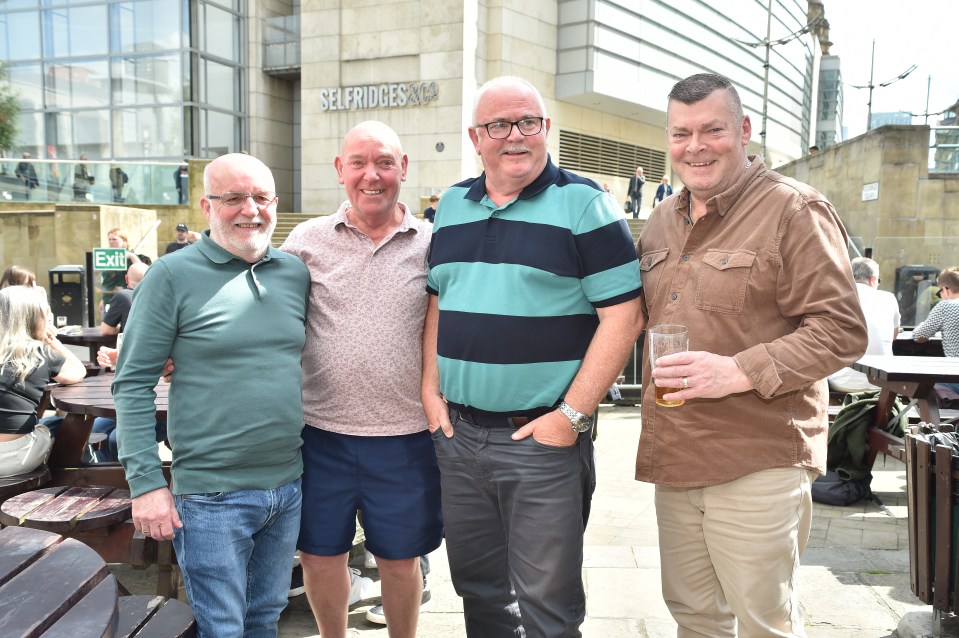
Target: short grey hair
point(505, 81)
point(864, 269)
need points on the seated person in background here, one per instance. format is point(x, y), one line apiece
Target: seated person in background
point(30, 358)
point(115, 318)
point(882, 322)
point(944, 318)
point(17, 276)
point(107, 358)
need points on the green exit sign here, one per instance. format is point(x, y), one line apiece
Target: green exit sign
point(109, 259)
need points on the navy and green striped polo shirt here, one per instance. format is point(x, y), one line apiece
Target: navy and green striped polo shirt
point(518, 286)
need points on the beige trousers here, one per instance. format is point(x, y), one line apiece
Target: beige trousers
point(731, 553)
point(26, 453)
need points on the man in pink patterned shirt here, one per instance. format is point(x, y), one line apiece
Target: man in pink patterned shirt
point(366, 445)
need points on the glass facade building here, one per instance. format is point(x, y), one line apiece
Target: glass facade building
point(127, 79)
point(139, 81)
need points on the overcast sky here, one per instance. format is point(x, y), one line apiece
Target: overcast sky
point(920, 32)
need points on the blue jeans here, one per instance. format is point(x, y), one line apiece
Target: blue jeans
point(235, 551)
point(515, 513)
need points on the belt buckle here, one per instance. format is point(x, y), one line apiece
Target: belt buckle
point(463, 416)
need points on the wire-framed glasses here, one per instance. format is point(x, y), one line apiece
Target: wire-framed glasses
point(261, 200)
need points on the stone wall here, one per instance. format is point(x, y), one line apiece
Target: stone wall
point(880, 185)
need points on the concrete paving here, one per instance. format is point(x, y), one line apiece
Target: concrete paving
point(854, 580)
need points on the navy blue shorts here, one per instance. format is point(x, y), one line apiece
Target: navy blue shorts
point(394, 480)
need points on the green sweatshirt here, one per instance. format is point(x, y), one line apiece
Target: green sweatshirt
point(235, 332)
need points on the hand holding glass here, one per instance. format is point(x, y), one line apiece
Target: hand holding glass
point(667, 339)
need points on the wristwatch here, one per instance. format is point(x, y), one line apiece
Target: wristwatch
point(581, 422)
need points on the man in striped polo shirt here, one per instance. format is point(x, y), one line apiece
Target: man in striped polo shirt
point(534, 304)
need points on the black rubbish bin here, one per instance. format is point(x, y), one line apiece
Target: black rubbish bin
point(912, 291)
point(68, 295)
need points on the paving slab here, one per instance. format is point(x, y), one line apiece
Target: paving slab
point(854, 575)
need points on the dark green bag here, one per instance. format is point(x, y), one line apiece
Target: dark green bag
point(848, 449)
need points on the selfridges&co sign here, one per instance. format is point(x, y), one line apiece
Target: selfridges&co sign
point(378, 96)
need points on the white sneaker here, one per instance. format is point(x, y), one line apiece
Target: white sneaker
point(361, 587)
point(375, 613)
point(369, 560)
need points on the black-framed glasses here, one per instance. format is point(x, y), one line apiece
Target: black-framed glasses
point(501, 130)
point(263, 199)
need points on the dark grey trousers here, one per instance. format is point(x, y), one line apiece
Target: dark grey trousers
point(515, 513)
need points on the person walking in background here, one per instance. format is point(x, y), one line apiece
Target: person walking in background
point(118, 181)
point(31, 357)
point(534, 306)
point(82, 180)
point(233, 509)
point(368, 304)
point(635, 192)
point(27, 174)
point(181, 177)
point(430, 213)
point(881, 310)
point(730, 258)
point(663, 191)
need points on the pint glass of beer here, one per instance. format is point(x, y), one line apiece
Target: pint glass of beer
point(667, 339)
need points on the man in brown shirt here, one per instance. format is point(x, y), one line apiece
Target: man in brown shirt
point(755, 265)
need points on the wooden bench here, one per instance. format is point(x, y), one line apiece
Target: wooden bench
point(53, 586)
point(99, 516)
point(155, 617)
point(882, 442)
point(20, 483)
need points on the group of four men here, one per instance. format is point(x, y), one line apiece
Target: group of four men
point(505, 326)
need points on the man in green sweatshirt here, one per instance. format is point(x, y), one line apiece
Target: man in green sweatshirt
point(230, 311)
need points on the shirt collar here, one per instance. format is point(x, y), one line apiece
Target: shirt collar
point(550, 172)
point(220, 255)
point(408, 222)
point(724, 201)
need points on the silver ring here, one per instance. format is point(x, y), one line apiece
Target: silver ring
point(685, 382)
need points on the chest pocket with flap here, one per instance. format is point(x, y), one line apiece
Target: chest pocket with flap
point(723, 280)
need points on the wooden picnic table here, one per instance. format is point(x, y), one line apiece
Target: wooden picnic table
point(82, 402)
point(114, 537)
point(89, 337)
point(908, 377)
point(54, 586)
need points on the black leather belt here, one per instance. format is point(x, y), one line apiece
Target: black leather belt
point(483, 419)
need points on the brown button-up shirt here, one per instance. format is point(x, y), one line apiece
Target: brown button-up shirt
point(763, 277)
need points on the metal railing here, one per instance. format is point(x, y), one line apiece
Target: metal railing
point(92, 181)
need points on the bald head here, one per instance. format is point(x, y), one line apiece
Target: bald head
point(372, 130)
point(135, 274)
point(223, 167)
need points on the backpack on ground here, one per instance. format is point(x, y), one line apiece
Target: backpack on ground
point(848, 477)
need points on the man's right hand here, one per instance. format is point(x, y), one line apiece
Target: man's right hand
point(437, 414)
point(155, 515)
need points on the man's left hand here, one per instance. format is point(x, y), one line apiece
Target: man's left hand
point(707, 376)
point(553, 429)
